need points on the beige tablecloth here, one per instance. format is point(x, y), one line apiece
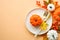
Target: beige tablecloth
point(12, 17)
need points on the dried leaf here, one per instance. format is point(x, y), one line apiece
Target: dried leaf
point(45, 3)
point(38, 3)
point(50, 1)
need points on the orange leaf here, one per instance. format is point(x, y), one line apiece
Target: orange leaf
point(38, 3)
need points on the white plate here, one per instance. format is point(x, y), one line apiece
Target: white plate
point(34, 30)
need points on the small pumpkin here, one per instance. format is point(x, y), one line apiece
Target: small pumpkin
point(35, 20)
point(52, 35)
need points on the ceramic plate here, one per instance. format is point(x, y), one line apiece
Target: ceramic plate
point(35, 30)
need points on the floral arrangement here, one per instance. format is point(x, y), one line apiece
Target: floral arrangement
point(54, 8)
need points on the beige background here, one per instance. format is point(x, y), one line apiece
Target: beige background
point(12, 17)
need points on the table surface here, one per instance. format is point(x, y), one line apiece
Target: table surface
point(12, 17)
